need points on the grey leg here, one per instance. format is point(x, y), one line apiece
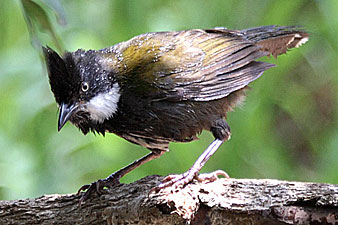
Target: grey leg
point(114, 178)
point(185, 178)
point(221, 132)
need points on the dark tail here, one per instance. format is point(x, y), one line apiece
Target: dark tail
point(277, 40)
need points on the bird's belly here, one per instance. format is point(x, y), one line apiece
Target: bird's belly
point(173, 121)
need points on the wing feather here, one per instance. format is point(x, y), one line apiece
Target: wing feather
point(201, 65)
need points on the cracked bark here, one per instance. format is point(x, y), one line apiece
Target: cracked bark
point(225, 201)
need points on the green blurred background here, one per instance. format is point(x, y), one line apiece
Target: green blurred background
point(287, 129)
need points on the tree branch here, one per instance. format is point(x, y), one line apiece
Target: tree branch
point(225, 201)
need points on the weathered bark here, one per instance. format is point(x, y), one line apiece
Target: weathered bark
point(225, 201)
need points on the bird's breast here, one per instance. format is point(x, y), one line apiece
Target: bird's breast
point(175, 121)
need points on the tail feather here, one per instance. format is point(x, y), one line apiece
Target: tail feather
point(276, 40)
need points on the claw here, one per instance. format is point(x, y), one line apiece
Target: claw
point(210, 177)
point(97, 187)
point(180, 180)
point(176, 181)
point(83, 188)
point(89, 190)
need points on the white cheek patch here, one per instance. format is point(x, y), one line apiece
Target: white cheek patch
point(104, 105)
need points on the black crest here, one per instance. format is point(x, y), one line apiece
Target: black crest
point(63, 76)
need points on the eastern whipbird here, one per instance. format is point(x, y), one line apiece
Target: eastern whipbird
point(164, 87)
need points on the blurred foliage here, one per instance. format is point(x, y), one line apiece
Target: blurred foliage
point(37, 20)
point(287, 129)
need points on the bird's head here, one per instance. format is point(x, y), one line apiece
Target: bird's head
point(85, 90)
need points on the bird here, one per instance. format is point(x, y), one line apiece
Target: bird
point(164, 87)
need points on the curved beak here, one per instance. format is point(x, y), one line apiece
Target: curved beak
point(66, 111)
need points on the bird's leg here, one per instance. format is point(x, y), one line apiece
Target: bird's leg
point(185, 178)
point(221, 132)
point(115, 177)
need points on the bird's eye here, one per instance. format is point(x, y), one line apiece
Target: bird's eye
point(85, 86)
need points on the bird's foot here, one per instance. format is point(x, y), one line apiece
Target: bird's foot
point(210, 177)
point(98, 186)
point(180, 180)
